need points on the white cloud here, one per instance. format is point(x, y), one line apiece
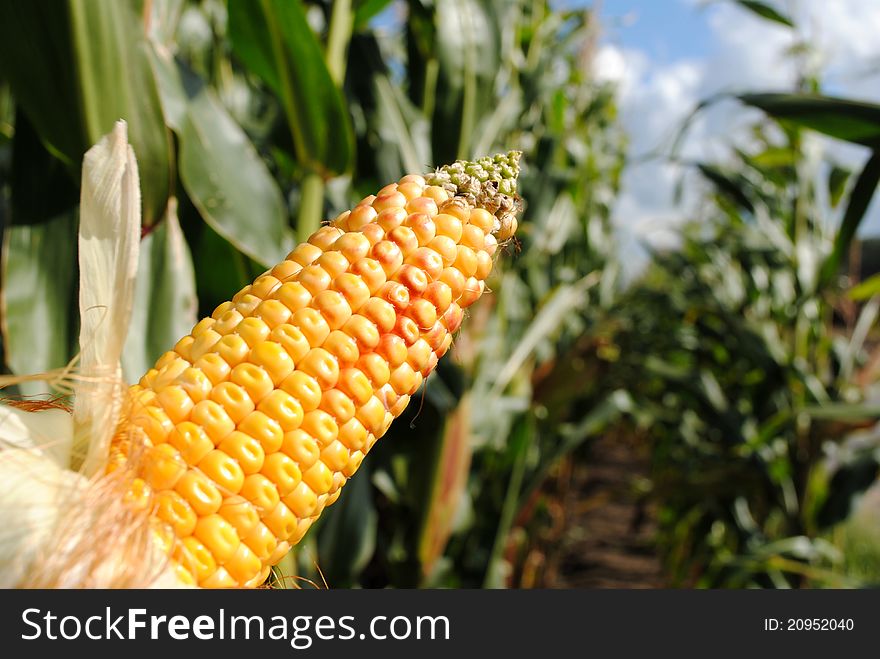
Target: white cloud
point(748, 54)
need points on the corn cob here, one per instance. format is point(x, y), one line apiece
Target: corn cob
point(252, 424)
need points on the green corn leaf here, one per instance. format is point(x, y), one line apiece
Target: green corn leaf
point(165, 297)
point(852, 121)
point(765, 11)
point(273, 39)
point(39, 297)
point(859, 200)
point(229, 183)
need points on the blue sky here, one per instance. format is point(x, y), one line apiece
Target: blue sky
point(666, 56)
point(667, 29)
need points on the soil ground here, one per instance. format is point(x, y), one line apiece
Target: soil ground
point(608, 538)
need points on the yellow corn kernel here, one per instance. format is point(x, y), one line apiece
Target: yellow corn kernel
point(163, 467)
point(391, 218)
point(388, 200)
point(312, 324)
point(264, 429)
point(195, 383)
point(407, 330)
point(176, 403)
point(239, 512)
point(197, 558)
point(222, 308)
point(435, 192)
point(283, 408)
point(375, 367)
point(363, 331)
point(305, 254)
point(282, 471)
point(484, 265)
point(319, 478)
point(213, 366)
point(272, 359)
point(245, 449)
point(191, 440)
point(247, 303)
point(224, 471)
point(220, 579)
point(423, 226)
point(301, 447)
point(184, 348)
point(371, 273)
point(302, 501)
point(354, 462)
point(338, 405)
point(322, 366)
point(304, 388)
point(261, 541)
point(253, 331)
point(200, 492)
point(333, 307)
point(261, 492)
point(335, 455)
point(244, 564)
point(293, 295)
point(320, 425)
point(353, 288)
point(361, 215)
point(173, 509)
point(482, 220)
point(281, 521)
point(353, 435)
point(233, 399)
point(314, 278)
point(139, 495)
point(166, 359)
point(218, 536)
point(371, 414)
point(466, 261)
point(453, 278)
point(253, 379)
point(264, 286)
point(228, 322)
point(473, 289)
point(272, 312)
point(419, 355)
point(233, 349)
point(285, 270)
point(200, 328)
point(292, 340)
point(154, 422)
point(203, 343)
point(381, 312)
point(388, 255)
point(325, 236)
point(405, 380)
point(333, 263)
point(446, 249)
point(415, 279)
point(342, 347)
point(448, 225)
point(354, 384)
point(213, 419)
point(426, 204)
point(352, 245)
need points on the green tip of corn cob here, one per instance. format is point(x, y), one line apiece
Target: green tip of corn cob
point(251, 425)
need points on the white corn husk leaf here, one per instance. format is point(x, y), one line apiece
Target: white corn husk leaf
point(35, 492)
point(110, 220)
point(54, 504)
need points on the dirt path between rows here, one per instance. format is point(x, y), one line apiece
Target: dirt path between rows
point(608, 537)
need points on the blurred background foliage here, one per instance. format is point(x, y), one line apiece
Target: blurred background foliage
point(743, 362)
